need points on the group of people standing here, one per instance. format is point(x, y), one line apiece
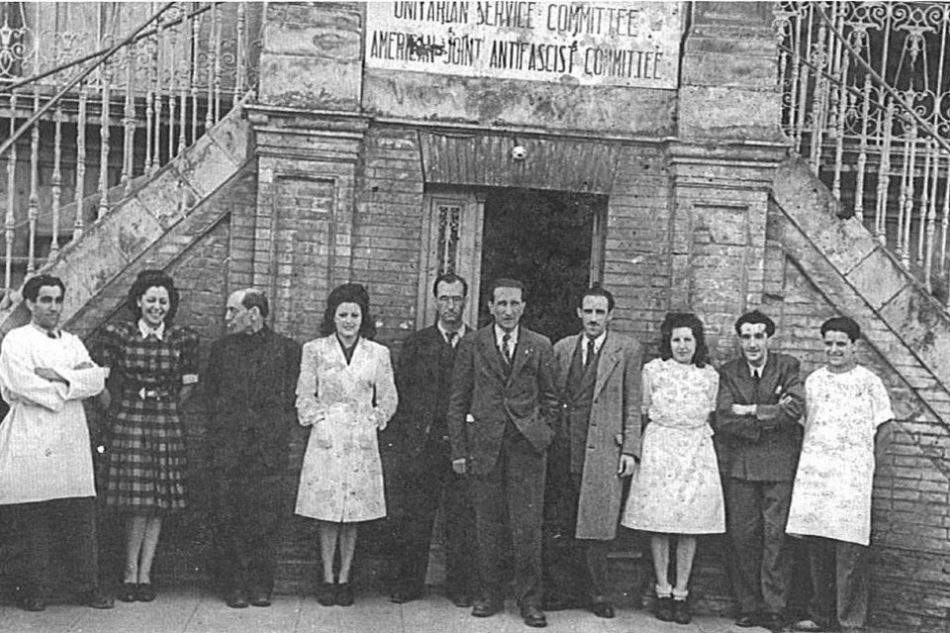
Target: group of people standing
point(523, 440)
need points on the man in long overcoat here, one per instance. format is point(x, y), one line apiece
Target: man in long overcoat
point(251, 378)
point(597, 444)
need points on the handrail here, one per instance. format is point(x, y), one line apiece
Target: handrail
point(10, 87)
point(37, 115)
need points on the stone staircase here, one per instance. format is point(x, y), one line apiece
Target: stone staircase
point(147, 228)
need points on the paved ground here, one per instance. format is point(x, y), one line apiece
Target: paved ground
point(184, 610)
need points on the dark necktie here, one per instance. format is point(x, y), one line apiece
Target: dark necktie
point(590, 352)
point(450, 338)
point(506, 347)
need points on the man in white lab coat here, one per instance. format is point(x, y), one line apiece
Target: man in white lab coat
point(46, 470)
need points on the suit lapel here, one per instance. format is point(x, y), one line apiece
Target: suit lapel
point(523, 350)
point(489, 352)
point(609, 359)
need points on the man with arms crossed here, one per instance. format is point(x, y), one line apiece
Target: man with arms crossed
point(500, 412)
point(758, 438)
point(597, 443)
point(46, 470)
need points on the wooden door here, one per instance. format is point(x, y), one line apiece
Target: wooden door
point(452, 238)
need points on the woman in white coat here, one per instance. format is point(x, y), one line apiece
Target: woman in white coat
point(346, 393)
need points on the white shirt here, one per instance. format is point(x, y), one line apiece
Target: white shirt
point(145, 330)
point(512, 341)
point(445, 333)
point(598, 343)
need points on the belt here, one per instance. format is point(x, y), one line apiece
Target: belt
point(158, 395)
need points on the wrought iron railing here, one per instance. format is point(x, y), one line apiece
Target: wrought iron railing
point(867, 103)
point(96, 95)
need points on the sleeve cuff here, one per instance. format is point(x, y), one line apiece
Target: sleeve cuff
point(189, 379)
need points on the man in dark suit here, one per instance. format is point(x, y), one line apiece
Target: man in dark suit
point(596, 445)
point(503, 401)
point(419, 436)
point(758, 440)
point(251, 379)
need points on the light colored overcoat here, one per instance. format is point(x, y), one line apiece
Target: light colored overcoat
point(614, 428)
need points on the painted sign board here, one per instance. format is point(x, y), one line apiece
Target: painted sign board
point(635, 44)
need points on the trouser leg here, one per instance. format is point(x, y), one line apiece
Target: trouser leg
point(33, 522)
point(460, 543)
point(744, 518)
point(525, 496)
point(419, 499)
point(853, 580)
point(488, 499)
point(776, 559)
point(564, 563)
point(75, 522)
point(264, 508)
point(228, 532)
point(821, 564)
point(596, 559)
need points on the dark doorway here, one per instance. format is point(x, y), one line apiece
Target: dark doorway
point(545, 239)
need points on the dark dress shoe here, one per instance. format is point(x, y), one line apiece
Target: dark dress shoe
point(533, 616)
point(326, 594)
point(681, 612)
point(236, 599)
point(259, 599)
point(127, 592)
point(774, 622)
point(602, 609)
point(96, 599)
point(663, 610)
point(32, 603)
point(403, 595)
point(487, 607)
point(145, 592)
point(462, 600)
point(344, 594)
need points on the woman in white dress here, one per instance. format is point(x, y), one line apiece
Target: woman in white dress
point(346, 394)
point(676, 489)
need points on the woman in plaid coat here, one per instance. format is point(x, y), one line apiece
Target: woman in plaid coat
point(154, 368)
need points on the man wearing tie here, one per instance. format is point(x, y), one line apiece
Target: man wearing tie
point(596, 445)
point(500, 413)
point(419, 438)
point(758, 440)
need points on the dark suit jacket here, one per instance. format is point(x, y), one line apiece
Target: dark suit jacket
point(528, 397)
point(250, 385)
point(418, 376)
point(765, 446)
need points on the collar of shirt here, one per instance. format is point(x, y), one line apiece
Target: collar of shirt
point(512, 337)
point(56, 333)
point(598, 343)
point(445, 333)
point(756, 370)
point(145, 330)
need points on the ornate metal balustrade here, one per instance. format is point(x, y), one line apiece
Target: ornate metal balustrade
point(867, 103)
point(95, 95)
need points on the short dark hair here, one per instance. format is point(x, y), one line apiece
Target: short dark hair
point(31, 289)
point(152, 278)
point(597, 291)
point(505, 282)
point(449, 278)
point(675, 320)
point(756, 316)
point(349, 293)
point(842, 324)
point(254, 298)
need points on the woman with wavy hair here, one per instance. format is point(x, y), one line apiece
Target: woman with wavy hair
point(154, 369)
point(676, 490)
point(345, 394)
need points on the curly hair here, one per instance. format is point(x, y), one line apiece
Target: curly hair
point(152, 278)
point(675, 320)
point(349, 293)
